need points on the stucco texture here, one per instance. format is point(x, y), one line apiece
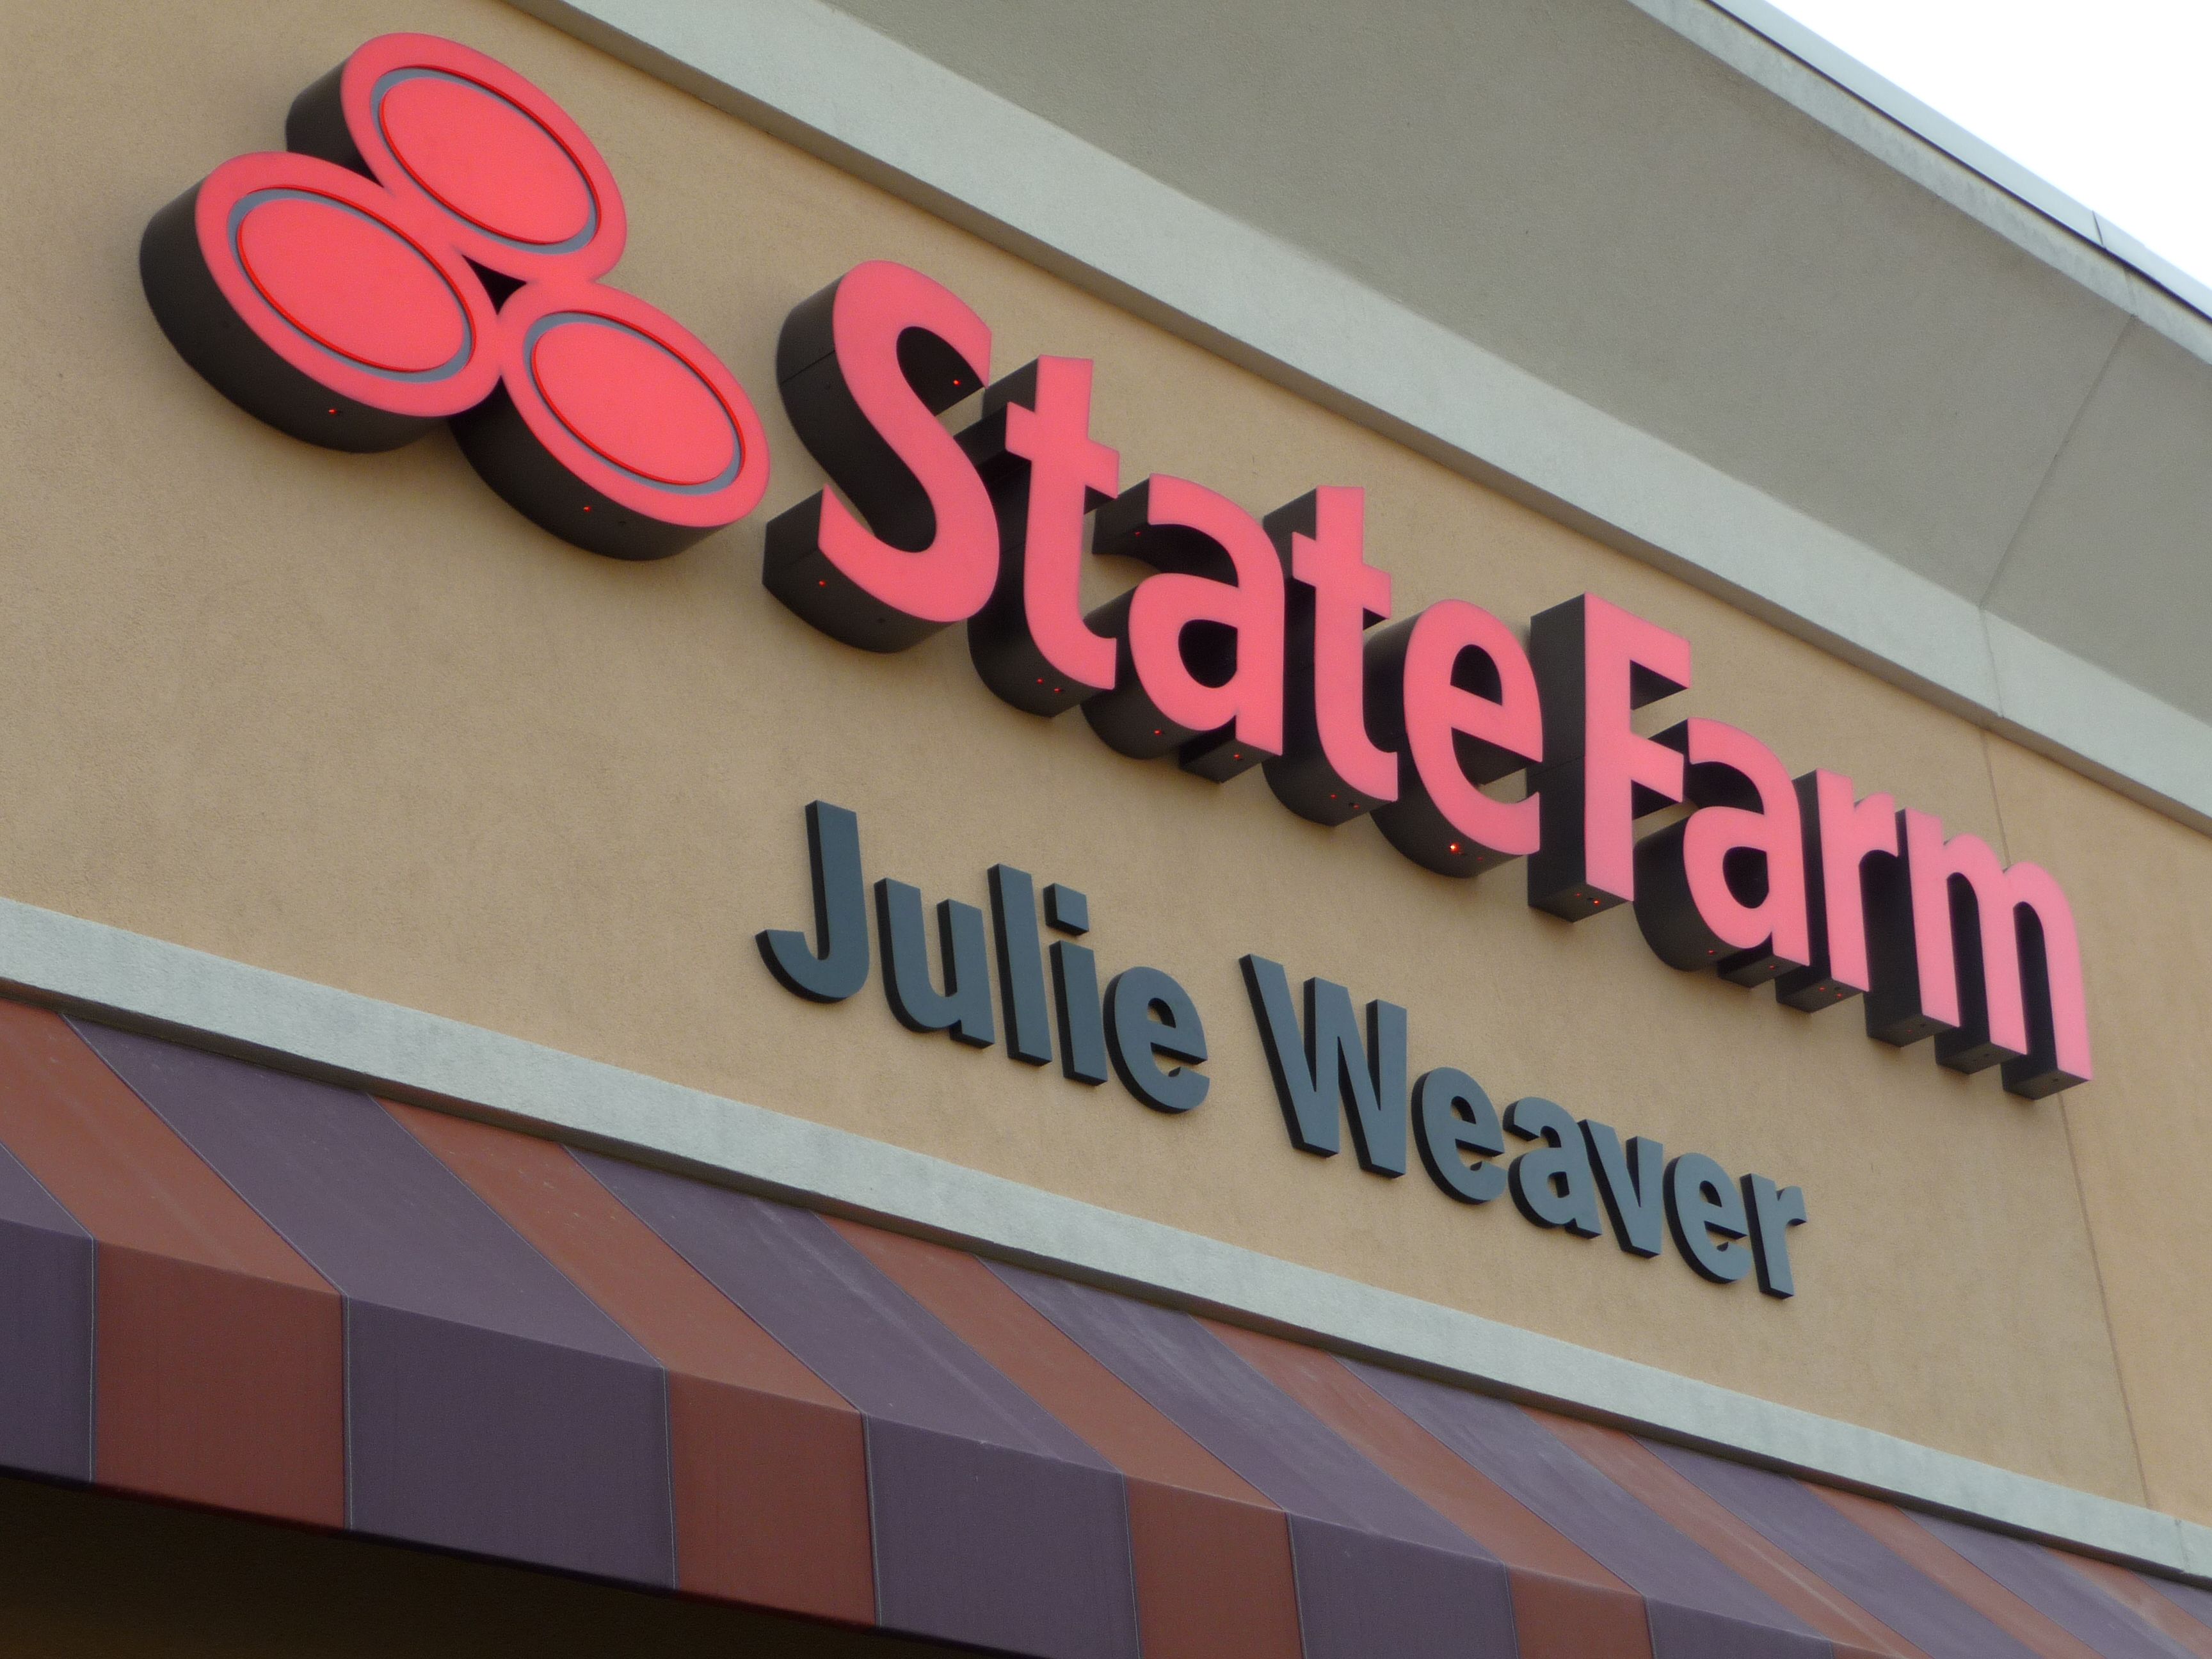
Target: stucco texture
point(352, 719)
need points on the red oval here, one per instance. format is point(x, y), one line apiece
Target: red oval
point(485, 159)
point(634, 402)
point(351, 283)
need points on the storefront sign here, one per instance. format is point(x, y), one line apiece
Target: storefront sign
point(429, 248)
point(1332, 1070)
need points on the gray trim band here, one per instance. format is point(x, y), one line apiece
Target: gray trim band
point(818, 78)
point(168, 990)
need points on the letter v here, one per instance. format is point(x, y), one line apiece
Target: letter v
point(1630, 1181)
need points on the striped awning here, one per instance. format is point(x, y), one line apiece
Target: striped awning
point(229, 1285)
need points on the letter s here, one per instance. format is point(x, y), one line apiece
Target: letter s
point(866, 367)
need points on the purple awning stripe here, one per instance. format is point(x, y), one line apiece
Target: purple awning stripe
point(2065, 1598)
point(1377, 1570)
point(491, 1405)
point(995, 1525)
point(1189, 1374)
point(1698, 1608)
point(1363, 1593)
point(45, 1330)
point(1791, 1517)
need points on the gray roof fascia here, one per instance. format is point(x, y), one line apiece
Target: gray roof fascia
point(1782, 37)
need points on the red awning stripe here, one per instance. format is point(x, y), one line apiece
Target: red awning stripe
point(1696, 1602)
point(769, 1474)
point(1565, 1605)
point(1377, 1570)
point(1788, 1577)
point(994, 1524)
point(491, 1405)
point(1211, 1555)
point(221, 1368)
point(2157, 1604)
point(231, 1286)
point(2094, 1620)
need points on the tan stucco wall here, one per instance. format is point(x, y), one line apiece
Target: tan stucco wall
point(352, 719)
point(2141, 1133)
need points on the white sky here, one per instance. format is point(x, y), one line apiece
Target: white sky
point(2109, 99)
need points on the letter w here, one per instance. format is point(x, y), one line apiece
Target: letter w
point(1329, 1064)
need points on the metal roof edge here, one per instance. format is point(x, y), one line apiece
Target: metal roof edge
point(2030, 189)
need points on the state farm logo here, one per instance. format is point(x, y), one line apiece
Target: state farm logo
point(427, 247)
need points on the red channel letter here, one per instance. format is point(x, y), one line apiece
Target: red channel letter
point(1840, 834)
point(866, 367)
point(1596, 664)
point(1725, 888)
point(1330, 770)
point(1046, 474)
point(1991, 967)
point(1200, 667)
point(1453, 692)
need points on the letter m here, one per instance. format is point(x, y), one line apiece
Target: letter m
point(1983, 956)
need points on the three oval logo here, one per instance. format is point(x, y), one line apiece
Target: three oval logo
point(428, 247)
